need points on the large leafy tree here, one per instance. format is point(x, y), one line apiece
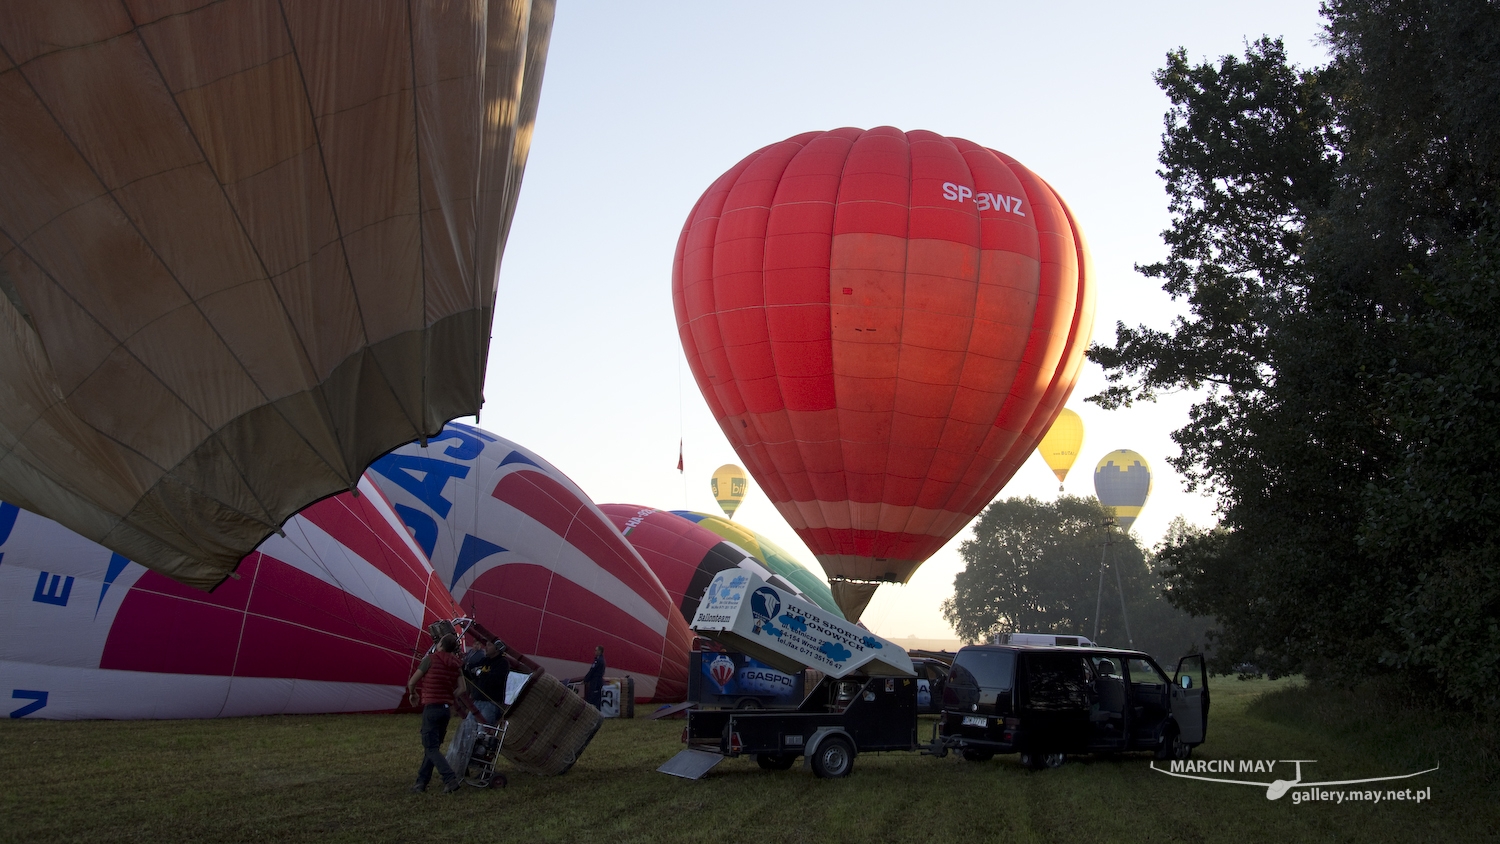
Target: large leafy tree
point(1034, 566)
point(1334, 241)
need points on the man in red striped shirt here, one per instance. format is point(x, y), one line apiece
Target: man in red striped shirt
point(435, 684)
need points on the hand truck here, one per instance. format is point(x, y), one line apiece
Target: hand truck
point(481, 772)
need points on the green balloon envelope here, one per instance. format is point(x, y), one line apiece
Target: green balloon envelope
point(771, 555)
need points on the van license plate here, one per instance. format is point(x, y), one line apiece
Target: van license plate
point(976, 721)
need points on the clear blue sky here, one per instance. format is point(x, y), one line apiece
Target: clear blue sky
point(645, 104)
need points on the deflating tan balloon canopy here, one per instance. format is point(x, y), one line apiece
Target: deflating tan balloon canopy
point(246, 247)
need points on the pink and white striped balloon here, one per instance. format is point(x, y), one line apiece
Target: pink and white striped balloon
point(330, 617)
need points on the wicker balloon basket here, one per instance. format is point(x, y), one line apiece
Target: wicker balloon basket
point(549, 726)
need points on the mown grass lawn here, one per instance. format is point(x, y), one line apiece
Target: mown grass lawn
point(344, 778)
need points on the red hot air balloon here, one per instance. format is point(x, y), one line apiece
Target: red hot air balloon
point(885, 324)
point(722, 670)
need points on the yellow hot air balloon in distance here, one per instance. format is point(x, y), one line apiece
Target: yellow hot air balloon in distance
point(1062, 443)
point(729, 487)
point(1122, 481)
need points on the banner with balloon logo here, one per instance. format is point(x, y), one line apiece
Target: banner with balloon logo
point(733, 679)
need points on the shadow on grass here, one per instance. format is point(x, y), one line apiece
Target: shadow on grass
point(1374, 721)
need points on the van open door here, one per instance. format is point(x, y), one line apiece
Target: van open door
point(1190, 699)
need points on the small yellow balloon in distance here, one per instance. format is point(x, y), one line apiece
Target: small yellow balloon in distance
point(1062, 443)
point(729, 487)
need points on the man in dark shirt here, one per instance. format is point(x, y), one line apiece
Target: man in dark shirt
point(486, 671)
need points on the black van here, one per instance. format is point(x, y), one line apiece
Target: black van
point(1047, 702)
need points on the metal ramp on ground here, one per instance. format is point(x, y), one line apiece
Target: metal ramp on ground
point(669, 711)
point(690, 764)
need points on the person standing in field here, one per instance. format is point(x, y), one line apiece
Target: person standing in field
point(486, 671)
point(593, 682)
point(435, 686)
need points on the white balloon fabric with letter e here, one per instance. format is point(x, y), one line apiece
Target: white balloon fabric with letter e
point(330, 617)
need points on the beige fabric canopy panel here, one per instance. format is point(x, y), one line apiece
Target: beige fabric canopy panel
point(246, 247)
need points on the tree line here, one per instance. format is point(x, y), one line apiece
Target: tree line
point(1036, 567)
point(1335, 241)
point(1336, 244)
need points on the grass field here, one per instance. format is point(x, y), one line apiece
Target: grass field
point(344, 778)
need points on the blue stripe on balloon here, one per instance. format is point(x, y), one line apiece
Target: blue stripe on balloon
point(117, 564)
point(518, 457)
point(8, 513)
point(473, 550)
point(423, 528)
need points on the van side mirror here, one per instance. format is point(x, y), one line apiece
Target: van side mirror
point(1187, 681)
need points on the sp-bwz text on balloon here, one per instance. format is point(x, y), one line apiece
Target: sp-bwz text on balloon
point(1000, 202)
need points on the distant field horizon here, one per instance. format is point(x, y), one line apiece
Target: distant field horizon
point(922, 643)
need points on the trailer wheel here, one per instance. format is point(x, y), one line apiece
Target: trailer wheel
point(747, 703)
point(492, 779)
point(835, 758)
point(775, 761)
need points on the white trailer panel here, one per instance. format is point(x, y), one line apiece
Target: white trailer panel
point(790, 632)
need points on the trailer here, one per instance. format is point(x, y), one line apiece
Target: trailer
point(865, 702)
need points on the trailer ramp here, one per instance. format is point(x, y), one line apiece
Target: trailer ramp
point(691, 764)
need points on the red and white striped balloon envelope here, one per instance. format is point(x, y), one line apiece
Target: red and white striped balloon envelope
point(533, 559)
point(330, 617)
point(684, 556)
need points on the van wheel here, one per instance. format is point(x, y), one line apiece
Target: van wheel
point(775, 761)
point(1037, 761)
point(747, 703)
point(972, 755)
point(1172, 746)
point(834, 759)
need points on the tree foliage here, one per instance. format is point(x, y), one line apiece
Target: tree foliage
point(1034, 567)
point(1334, 238)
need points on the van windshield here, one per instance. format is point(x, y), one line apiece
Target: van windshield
point(983, 669)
